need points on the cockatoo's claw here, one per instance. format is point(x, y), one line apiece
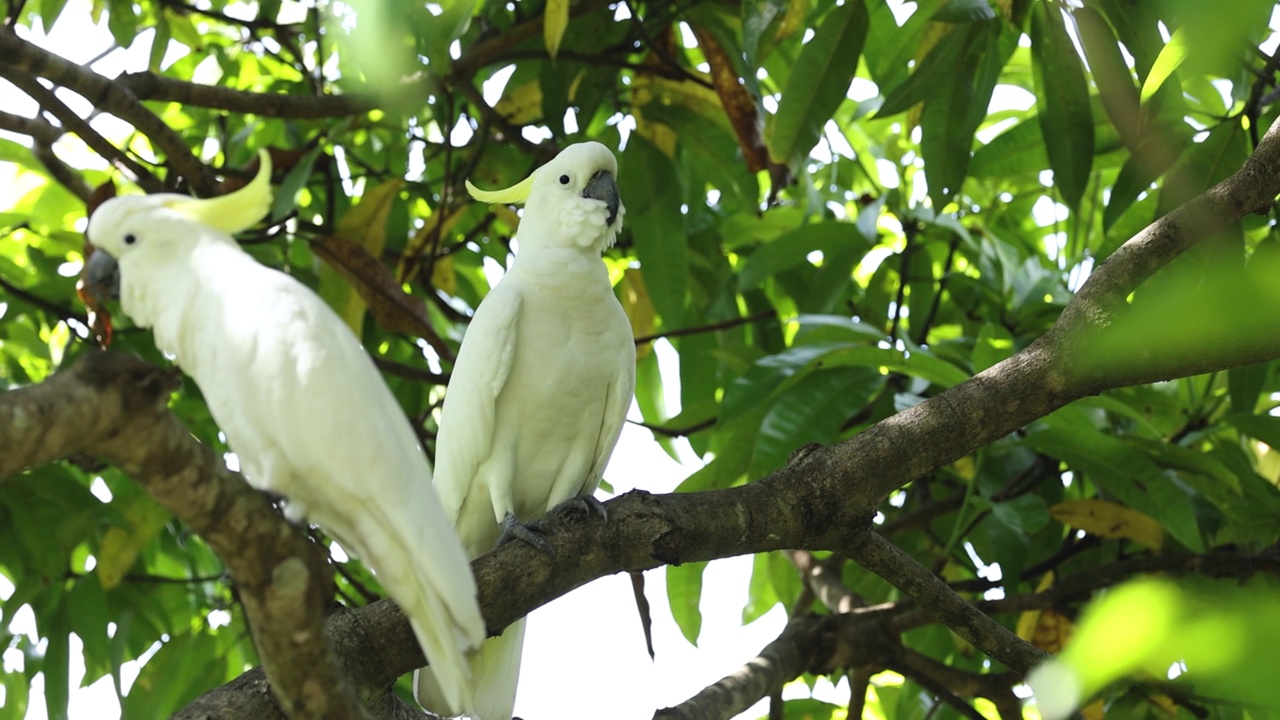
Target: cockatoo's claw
point(585, 504)
point(531, 533)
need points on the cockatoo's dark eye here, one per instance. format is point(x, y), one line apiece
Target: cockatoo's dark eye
point(564, 179)
point(130, 239)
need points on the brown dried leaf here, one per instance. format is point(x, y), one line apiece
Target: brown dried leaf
point(738, 104)
point(392, 308)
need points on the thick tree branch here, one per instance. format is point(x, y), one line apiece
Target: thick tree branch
point(114, 405)
point(150, 86)
point(103, 93)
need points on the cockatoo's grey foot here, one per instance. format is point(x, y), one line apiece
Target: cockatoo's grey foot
point(585, 504)
point(532, 533)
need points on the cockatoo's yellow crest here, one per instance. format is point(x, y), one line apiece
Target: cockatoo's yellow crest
point(516, 194)
point(235, 211)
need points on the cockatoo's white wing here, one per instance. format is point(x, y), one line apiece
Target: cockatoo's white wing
point(468, 420)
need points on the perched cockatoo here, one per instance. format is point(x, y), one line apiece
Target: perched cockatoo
point(540, 389)
point(299, 400)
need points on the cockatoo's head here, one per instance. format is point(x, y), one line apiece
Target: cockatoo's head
point(571, 201)
point(139, 231)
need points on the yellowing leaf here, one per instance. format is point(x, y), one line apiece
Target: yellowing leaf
point(1095, 710)
point(365, 225)
point(507, 216)
point(1029, 620)
point(120, 545)
point(407, 267)
point(1052, 631)
point(639, 309)
point(555, 20)
point(521, 105)
point(793, 20)
point(1109, 520)
point(444, 277)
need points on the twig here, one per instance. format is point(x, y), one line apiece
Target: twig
point(735, 322)
point(409, 372)
point(676, 432)
point(37, 301)
point(889, 562)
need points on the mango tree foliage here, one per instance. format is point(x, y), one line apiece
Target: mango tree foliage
point(837, 209)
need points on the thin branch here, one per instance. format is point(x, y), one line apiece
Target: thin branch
point(81, 127)
point(712, 327)
point(105, 94)
point(676, 432)
point(778, 663)
point(39, 302)
point(409, 372)
point(929, 591)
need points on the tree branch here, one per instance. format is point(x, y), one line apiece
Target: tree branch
point(115, 406)
point(107, 95)
point(150, 86)
point(778, 663)
point(929, 591)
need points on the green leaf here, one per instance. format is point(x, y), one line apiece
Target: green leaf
point(812, 410)
point(762, 595)
point(994, 344)
point(1244, 386)
point(1027, 514)
point(1174, 52)
point(57, 661)
point(932, 74)
point(768, 373)
point(286, 198)
point(757, 15)
point(963, 11)
point(794, 248)
point(159, 43)
point(122, 20)
point(1062, 96)
point(50, 11)
point(684, 593)
point(820, 81)
point(184, 667)
point(1173, 508)
point(651, 190)
point(1260, 427)
point(954, 110)
point(1111, 464)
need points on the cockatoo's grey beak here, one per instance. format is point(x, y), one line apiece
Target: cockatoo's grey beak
point(102, 276)
point(604, 188)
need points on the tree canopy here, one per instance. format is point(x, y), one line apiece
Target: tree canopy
point(975, 304)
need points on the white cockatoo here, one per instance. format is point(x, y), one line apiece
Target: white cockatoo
point(540, 388)
point(298, 399)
